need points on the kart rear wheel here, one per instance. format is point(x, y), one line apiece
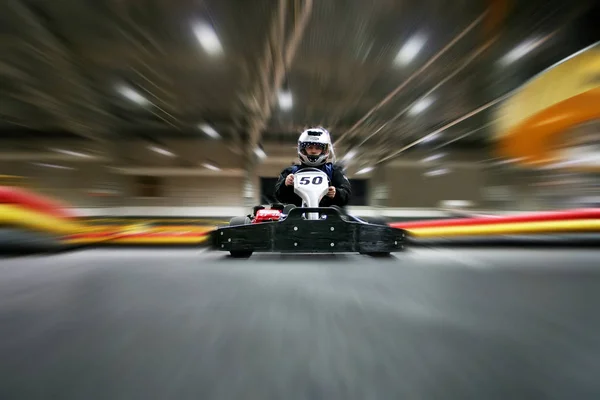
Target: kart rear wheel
point(237, 221)
point(376, 221)
point(288, 208)
point(240, 254)
point(377, 254)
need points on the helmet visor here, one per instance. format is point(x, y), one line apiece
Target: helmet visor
point(311, 146)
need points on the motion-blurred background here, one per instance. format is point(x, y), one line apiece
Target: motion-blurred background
point(481, 105)
point(147, 122)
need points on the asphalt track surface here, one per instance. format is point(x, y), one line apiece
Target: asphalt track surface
point(186, 324)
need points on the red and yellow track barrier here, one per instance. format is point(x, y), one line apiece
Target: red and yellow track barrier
point(17, 216)
point(30, 221)
point(33, 213)
point(542, 227)
point(578, 214)
point(535, 139)
point(535, 120)
point(141, 238)
point(91, 237)
point(33, 202)
point(173, 238)
point(571, 221)
point(579, 220)
point(24, 214)
point(139, 234)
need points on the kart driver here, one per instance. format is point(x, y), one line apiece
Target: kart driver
point(314, 148)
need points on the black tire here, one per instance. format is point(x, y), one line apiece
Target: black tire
point(378, 254)
point(240, 254)
point(288, 208)
point(237, 221)
point(22, 241)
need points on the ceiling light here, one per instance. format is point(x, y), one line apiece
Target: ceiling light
point(71, 153)
point(211, 167)
point(420, 105)
point(364, 170)
point(209, 130)
point(132, 95)
point(52, 166)
point(437, 172)
point(520, 51)
point(509, 161)
point(457, 203)
point(433, 158)
point(260, 153)
point(161, 151)
point(583, 155)
point(430, 138)
point(285, 100)
point(410, 50)
point(350, 155)
point(208, 39)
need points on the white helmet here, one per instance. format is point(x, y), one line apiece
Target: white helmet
point(314, 136)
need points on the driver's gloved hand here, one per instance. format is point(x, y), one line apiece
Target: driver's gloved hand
point(289, 180)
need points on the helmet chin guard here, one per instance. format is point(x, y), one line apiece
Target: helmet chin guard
point(314, 136)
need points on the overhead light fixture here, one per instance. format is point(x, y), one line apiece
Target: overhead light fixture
point(260, 153)
point(132, 95)
point(433, 158)
point(52, 166)
point(162, 151)
point(365, 170)
point(430, 138)
point(437, 172)
point(208, 39)
point(509, 161)
point(588, 155)
point(209, 130)
point(410, 50)
point(211, 166)
point(420, 105)
point(457, 203)
point(71, 153)
point(520, 51)
point(350, 155)
point(285, 100)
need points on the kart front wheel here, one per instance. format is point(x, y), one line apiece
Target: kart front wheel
point(237, 221)
point(288, 208)
point(381, 254)
point(240, 254)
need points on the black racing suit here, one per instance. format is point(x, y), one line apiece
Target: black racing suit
point(285, 194)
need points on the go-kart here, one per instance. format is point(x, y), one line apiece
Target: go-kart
point(306, 229)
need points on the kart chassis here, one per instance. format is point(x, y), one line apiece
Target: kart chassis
point(338, 232)
point(309, 228)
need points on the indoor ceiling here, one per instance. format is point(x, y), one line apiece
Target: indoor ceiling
point(382, 74)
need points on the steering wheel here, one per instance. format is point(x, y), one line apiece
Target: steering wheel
point(314, 170)
point(309, 169)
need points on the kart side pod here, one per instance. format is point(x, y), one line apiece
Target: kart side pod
point(337, 232)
